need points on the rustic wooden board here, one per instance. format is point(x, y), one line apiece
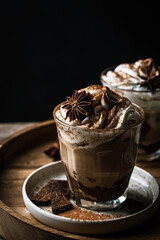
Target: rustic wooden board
point(21, 154)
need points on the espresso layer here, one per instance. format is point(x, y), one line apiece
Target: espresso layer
point(98, 193)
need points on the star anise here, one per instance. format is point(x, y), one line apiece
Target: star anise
point(150, 73)
point(152, 83)
point(77, 105)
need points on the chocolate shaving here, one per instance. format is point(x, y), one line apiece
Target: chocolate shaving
point(59, 202)
point(111, 114)
point(112, 119)
point(53, 151)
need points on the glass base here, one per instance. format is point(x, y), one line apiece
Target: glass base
point(148, 157)
point(99, 206)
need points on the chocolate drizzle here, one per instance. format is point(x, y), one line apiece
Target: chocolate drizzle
point(77, 105)
point(150, 73)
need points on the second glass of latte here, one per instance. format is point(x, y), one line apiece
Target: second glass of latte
point(140, 82)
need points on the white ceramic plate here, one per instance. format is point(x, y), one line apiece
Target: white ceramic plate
point(142, 185)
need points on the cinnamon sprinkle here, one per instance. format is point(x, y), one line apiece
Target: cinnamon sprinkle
point(86, 215)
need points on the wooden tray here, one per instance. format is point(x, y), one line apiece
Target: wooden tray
point(21, 154)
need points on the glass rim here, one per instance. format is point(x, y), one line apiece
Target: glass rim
point(111, 68)
point(141, 111)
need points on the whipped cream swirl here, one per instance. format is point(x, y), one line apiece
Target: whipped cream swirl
point(142, 75)
point(108, 110)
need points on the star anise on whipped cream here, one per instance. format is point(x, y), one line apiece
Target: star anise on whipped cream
point(150, 73)
point(77, 105)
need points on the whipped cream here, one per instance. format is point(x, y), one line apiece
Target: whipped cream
point(108, 110)
point(142, 75)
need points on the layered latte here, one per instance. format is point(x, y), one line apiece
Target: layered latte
point(98, 133)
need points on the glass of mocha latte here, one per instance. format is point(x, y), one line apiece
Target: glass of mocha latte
point(98, 132)
point(140, 82)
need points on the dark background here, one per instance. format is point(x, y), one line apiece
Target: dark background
point(50, 48)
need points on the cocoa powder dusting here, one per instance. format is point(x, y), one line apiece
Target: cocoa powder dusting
point(129, 207)
point(85, 215)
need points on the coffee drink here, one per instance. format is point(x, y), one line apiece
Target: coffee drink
point(98, 132)
point(140, 82)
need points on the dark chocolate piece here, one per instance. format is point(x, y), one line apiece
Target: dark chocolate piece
point(44, 194)
point(43, 197)
point(60, 186)
point(53, 151)
point(59, 202)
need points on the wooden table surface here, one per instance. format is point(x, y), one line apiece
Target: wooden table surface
point(6, 129)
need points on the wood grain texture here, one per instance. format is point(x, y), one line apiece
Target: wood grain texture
point(20, 155)
point(7, 129)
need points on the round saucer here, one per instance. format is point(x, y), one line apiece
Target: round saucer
point(143, 188)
